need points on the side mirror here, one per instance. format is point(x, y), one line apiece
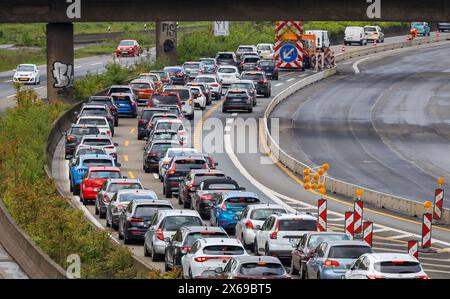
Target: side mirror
point(218, 270)
point(216, 164)
point(118, 164)
point(125, 177)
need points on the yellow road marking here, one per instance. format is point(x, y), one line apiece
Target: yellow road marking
point(131, 175)
point(127, 143)
point(125, 158)
point(132, 130)
point(199, 126)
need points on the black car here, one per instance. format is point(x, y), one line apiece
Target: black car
point(144, 118)
point(202, 200)
point(249, 63)
point(237, 99)
point(259, 78)
point(443, 27)
point(135, 220)
point(192, 181)
point(73, 137)
point(109, 101)
point(269, 67)
point(177, 75)
point(184, 238)
point(226, 58)
point(155, 152)
point(179, 167)
point(247, 85)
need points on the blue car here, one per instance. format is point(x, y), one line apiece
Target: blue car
point(229, 206)
point(80, 165)
point(126, 104)
point(422, 28)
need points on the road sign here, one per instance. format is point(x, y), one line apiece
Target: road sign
point(322, 215)
point(288, 53)
point(221, 28)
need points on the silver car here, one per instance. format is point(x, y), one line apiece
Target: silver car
point(170, 153)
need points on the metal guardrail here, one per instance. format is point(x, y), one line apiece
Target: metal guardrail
point(375, 198)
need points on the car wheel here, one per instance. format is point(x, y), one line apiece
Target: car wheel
point(190, 117)
point(186, 205)
point(255, 247)
point(302, 272)
point(101, 215)
point(318, 275)
point(126, 240)
point(71, 186)
point(120, 234)
point(166, 266)
point(155, 256)
point(168, 194)
point(266, 250)
point(190, 274)
point(146, 170)
point(306, 273)
point(160, 177)
point(293, 270)
point(114, 226)
point(250, 110)
point(96, 209)
point(224, 110)
point(108, 224)
point(146, 252)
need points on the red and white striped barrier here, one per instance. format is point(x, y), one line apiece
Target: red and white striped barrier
point(348, 225)
point(322, 215)
point(413, 248)
point(426, 230)
point(438, 202)
point(358, 210)
point(368, 232)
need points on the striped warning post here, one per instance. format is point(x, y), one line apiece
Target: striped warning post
point(426, 230)
point(333, 59)
point(368, 232)
point(438, 202)
point(348, 225)
point(322, 215)
point(413, 248)
point(358, 210)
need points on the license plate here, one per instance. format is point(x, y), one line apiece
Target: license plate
point(291, 240)
point(23, 79)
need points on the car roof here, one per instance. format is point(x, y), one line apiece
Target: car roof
point(346, 242)
point(89, 105)
point(258, 206)
point(243, 81)
point(140, 81)
point(179, 212)
point(380, 257)
point(203, 171)
point(120, 86)
point(122, 180)
point(253, 72)
point(142, 202)
point(169, 120)
point(95, 156)
point(164, 131)
point(104, 168)
point(188, 157)
point(137, 191)
point(220, 241)
point(165, 142)
point(192, 229)
point(295, 216)
point(99, 136)
point(206, 76)
point(233, 193)
point(83, 126)
point(219, 181)
point(252, 258)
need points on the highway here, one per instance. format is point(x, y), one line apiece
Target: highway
point(9, 269)
point(270, 181)
point(385, 128)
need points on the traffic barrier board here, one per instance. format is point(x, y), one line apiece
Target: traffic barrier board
point(438, 202)
point(358, 210)
point(413, 248)
point(368, 232)
point(426, 230)
point(322, 215)
point(348, 225)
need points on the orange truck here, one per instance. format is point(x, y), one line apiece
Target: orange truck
point(309, 49)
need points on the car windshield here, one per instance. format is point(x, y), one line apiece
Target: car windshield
point(192, 237)
point(25, 68)
point(241, 201)
point(221, 186)
point(263, 48)
point(187, 164)
point(97, 142)
point(169, 126)
point(91, 151)
point(226, 70)
point(262, 214)
point(398, 267)
point(164, 100)
point(114, 187)
point(223, 250)
point(148, 211)
point(126, 43)
point(135, 196)
point(254, 77)
point(262, 269)
point(84, 131)
point(266, 63)
point(241, 86)
point(105, 174)
point(348, 251)
point(173, 223)
point(297, 225)
point(97, 162)
point(315, 240)
point(92, 121)
point(140, 86)
point(205, 80)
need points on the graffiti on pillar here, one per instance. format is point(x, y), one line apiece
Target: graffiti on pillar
point(74, 9)
point(169, 29)
point(63, 75)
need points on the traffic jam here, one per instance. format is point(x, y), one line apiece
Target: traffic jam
point(214, 227)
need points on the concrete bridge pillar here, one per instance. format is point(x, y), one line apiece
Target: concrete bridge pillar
point(166, 42)
point(60, 62)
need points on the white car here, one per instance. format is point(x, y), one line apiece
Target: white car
point(100, 121)
point(266, 51)
point(170, 153)
point(374, 33)
point(213, 84)
point(172, 125)
point(164, 225)
point(199, 97)
point(245, 49)
point(386, 265)
point(210, 254)
point(280, 231)
point(103, 141)
point(252, 216)
point(27, 74)
point(187, 100)
point(355, 34)
point(322, 39)
point(227, 73)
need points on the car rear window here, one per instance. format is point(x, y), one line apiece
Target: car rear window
point(97, 162)
point(262, 214)
point(173, 223)
point(241, 201)
point(240, 86)
point(191, 66)
point(370, 29)
point(225, 56)
point(348, 251)
point(236, 95)
point(172, 126)
point(148, 211)
point(161, 147)
point(192, 237)
point(173, 70)
point(165, 136)
point(182, 93)
point(114, 187)
point(253, 76)
point(297, 225)
point(90, 151)
point(262, 269)
point(251, 60)
point(147, 114)
point(105, 174)
point(397, 267)
point(263, 47)
point(205, 80)
point(84, 131)
point(223, 250)
point(92, 121)
point(158, 100)
point(97, 142)
point(315, 240)
point(199, 177)
point(122, 99)
point(245, 49)
point(207, 61)
point(140, 85)
point(226, 70)
point(266, 63)
point(119, 90)
point(221, 186)
point(135, 196)
point(184, 152)
point(154, 78)
point(187, 164)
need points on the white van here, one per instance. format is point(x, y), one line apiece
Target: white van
point(322, 39)
point(355, 35)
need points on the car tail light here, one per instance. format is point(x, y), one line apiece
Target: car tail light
point(190, 102)
point(274, 235)
point(133, 219)
point(264, 82)
point(133, 104)
point(109, 147)
point(141, 122)
point(114, 108)
point(190, 186)
point(215, 85)
point(206, 197)
point(375, 277)
point(223, 207)
point(71, 138)
point(201, 259)
point(105, 197)
point(159, 234)
point(249, 225)
point(108, 132)
point(172, 170)
point(422, 277)
point(330, 263)
point(185, 249)
point(120, 207)
point(151, 154)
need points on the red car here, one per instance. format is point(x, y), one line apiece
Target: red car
point(128, 47)
point(94, 179)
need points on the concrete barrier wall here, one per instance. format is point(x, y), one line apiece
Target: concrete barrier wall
point(378, 199)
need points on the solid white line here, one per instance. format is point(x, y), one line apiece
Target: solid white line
point(278, 84)
point(37, 88)
point(435, 265)
point(355, 65)
point(97, 63)
point(77, 67)
point(156, 176)
point(382, 249)
point(381, 230)
point(390, 244)
point(436, 271)
point(11, 96)
point(289, 80)
point(401, 236)
point(7, 81)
